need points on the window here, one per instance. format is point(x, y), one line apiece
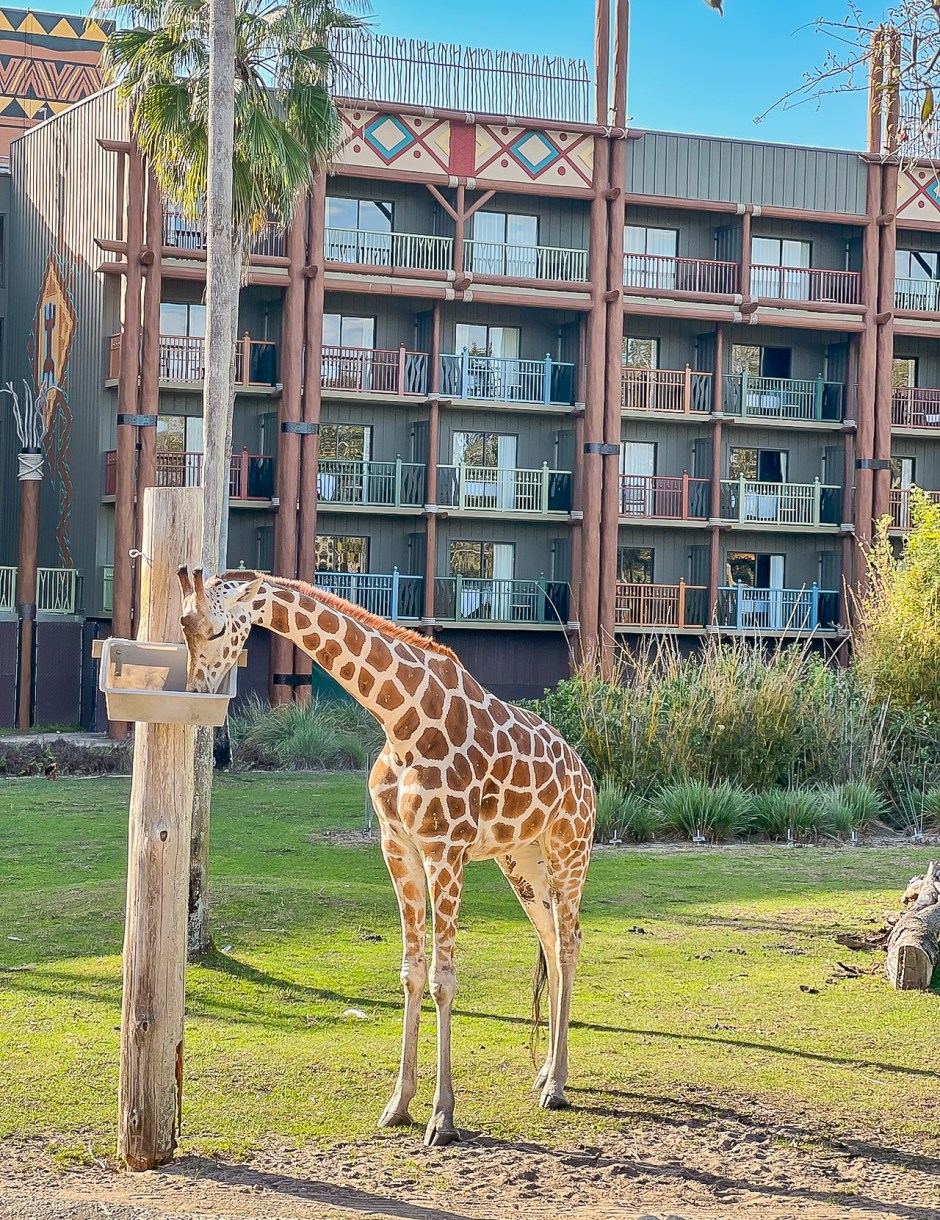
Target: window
point(635, 565)
point(501, 342)
point(340, 330)
point(902, 472)
point(763, 465)
point(345, 442)
point(347, 362)
point(776, 270)
point(756, 571)
point(761, 361)
point(179, 444)
point(649, 257)
point(902, 479)
point(182, 331)
point(903, 372)
point(488, 568)
point(183, 318)
point(480, 453)
point(505, 243)
point(638, 239)
point(496, 449)
point(917, 265)
point(346, 553)
point(640, 353)
point(359, 231)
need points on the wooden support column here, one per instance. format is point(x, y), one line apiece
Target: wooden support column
point(887, 270)
point(434, 443)
point(122, 615)
point(287, 476)
point(867, 363)
point(848, 482)
point(714, 490)
point(746, 226)
point(150, 343)
point(460, 222)
point(152, 1012)
point(30, 480)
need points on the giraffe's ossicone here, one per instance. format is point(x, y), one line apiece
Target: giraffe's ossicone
point(462, 776)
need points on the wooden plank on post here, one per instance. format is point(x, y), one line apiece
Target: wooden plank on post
point(158, 859)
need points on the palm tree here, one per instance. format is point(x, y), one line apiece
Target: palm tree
point(230, 104)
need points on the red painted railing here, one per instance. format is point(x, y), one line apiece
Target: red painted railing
point(251, 476)
point(183, 359)
point(677, 498)
point(643, 605)
point(805, 284)
point(899, 506)
point(666, 390)
point(371, 370)
point(659, 273)
point(916, 407)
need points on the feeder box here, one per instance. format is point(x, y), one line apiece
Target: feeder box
point(147, 682)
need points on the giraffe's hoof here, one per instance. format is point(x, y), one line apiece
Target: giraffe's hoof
point(553, 1099)
point(396, 1115)
point(440, 1132)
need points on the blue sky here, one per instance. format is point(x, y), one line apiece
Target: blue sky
point(690, 70)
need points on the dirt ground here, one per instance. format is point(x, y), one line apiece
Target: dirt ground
point(662, 1160)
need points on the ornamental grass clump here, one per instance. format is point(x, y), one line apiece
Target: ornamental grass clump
point(623, 815)
point(695, 809)
point(789, 813)
point(322, 735)
point(851, 808)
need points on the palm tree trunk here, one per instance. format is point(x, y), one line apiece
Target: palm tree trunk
point(222, 287)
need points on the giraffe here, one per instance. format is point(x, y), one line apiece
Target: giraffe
point(462, 776)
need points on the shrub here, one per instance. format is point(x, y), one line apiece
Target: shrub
point(801, 812)
point(321, 735)
point(693, 807)
point(851, 807)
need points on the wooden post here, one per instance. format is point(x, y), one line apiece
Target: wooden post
point(434, 434)
point(150, 344)
point(151, 1069)
point(26, 578)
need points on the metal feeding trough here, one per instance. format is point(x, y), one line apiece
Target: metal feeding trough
point(147, 682)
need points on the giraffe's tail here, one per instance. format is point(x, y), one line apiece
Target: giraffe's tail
point(539, 984)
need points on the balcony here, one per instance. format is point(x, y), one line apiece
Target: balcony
point(666, 391)
point(251, 475)
point(343, 483)
point(664, 497)
point(395, 596)
point(56, 591)
point(744, 608)
point(546, 382)
point(644, 606)
point(363, 370)
point(682, 276)
point(899, 506)
point(186, 234)
point(805, 284)
point(922, 296)
point(480, 600)
point(815, 401)
point(183, 361)
point(526, 262)
point(749, 502)
point(915, 407)
point(409, 251)
point(494, 489)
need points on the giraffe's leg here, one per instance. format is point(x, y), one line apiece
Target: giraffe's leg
point(445, 882)
point(526, 872)
point(404, 866)
point(567, 855)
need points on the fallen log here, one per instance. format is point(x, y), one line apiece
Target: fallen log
point(914, 943)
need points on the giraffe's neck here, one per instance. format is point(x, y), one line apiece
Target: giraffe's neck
point(383, 674)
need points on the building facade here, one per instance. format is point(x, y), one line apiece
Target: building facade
point(538, 385)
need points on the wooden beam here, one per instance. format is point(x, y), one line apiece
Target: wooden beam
point(451, 212)
point(475, 207)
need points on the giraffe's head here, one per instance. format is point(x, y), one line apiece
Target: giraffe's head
point(217, 617)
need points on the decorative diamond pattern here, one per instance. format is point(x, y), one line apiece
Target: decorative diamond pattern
point(389, 136)
point(535, 151)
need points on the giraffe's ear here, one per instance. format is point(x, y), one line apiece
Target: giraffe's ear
point(245, 592)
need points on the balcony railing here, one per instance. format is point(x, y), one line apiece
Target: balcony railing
point(183, 358)
point(744, 608)
point(498, 379)
point(372, 371)
point(181, 232)
point(501, 489)
point(472, 599)
point(648, 605)
point(748, 501)
point(526, 262)
point(666, 391)
point(783, 397)
point(676, 498)
point(805, 284)
point(899, 505)
point(251, 475)
point(921, 295)
point(56, 591)
point(412, 251)
point(395, 596)
point(659, 273)
point(916, 407)
point(394, 484)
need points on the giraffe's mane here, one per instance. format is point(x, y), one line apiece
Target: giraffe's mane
point(390, 630)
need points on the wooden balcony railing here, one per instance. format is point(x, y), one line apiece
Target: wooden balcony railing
point(899, 505)
point(56, 591)
point(920, 295)
point(676, 498)
point(526, 262)
point(915, 407)
point(659, 273)
point(749, 501)
point(184, 233)
point(744, 608)
point(783, 397)
point(805, 284)
point(485, 599)
point(505, 489)
point(251, 476)
point(394, 596)
point(498, 379)
point(649, 605)
point(412, 251)
point(183, 359)
point(369, 370)
point(666, 391)
point(394, 484)
point(7, 590)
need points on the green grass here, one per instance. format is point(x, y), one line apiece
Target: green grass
point(705, 1006)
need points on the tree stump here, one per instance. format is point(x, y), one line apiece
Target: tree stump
point(913, 947)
